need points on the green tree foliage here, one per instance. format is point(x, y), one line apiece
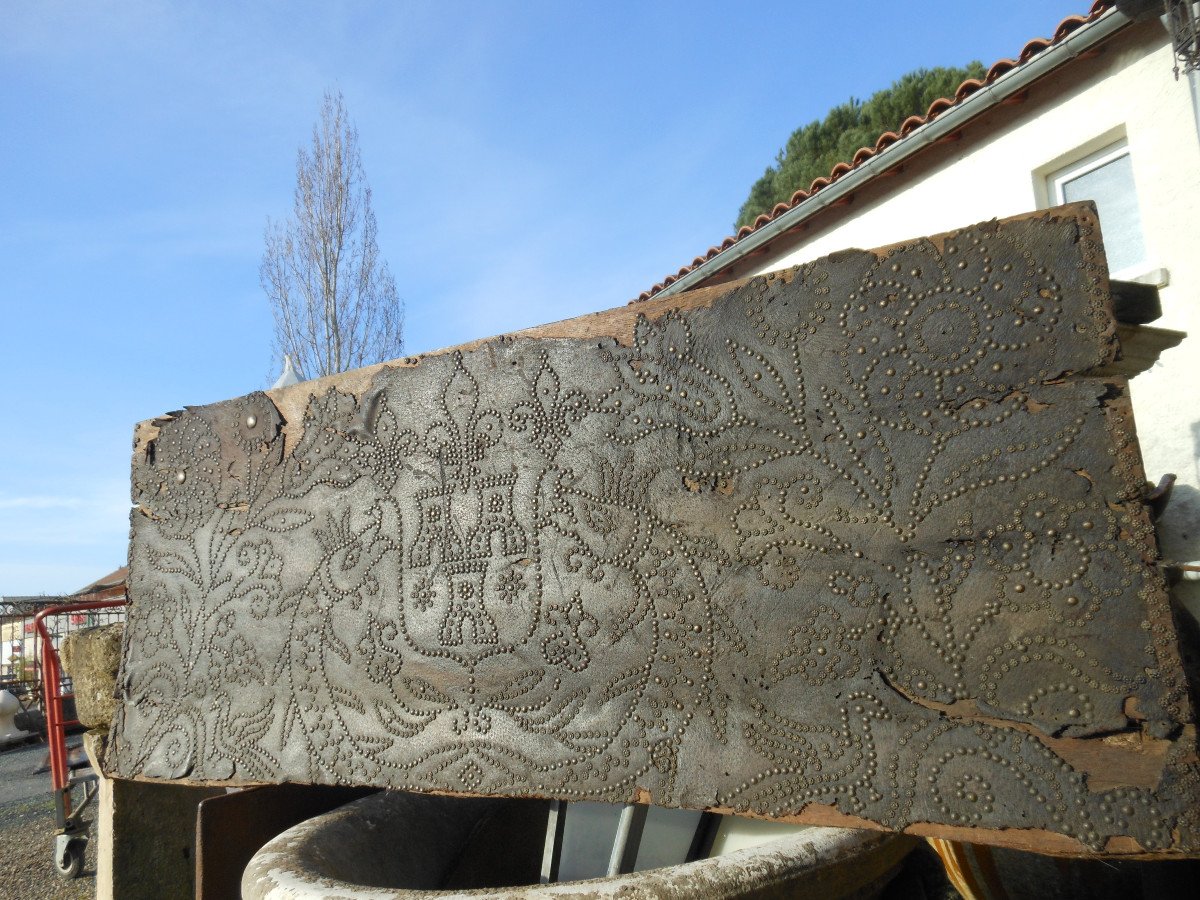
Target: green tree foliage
point(814, 149)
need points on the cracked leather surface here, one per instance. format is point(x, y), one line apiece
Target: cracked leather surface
point(855, 535)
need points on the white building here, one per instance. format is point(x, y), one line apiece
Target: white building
point(1096, 111)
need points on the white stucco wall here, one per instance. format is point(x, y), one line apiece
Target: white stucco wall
point(998, 169)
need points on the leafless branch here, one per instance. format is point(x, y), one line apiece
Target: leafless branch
point(333, 298)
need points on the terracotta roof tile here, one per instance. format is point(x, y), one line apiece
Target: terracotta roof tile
point(110, 580)
point(1001, 67)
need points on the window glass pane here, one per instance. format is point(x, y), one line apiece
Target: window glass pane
point(667, 838)
point(1111, 187)
point(587, 840)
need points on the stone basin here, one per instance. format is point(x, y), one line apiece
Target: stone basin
point(396, 845)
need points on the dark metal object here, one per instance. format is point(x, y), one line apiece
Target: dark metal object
point(1135, 303)
point(1183, 22)
point(858, 539)
point(232, 827)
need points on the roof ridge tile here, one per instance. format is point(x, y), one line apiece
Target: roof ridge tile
point(1032, 48)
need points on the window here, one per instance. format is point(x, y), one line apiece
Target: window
point(1106, 178)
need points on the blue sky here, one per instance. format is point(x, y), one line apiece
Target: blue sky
point(530, 161)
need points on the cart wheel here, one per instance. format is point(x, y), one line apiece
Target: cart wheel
point(68, 860)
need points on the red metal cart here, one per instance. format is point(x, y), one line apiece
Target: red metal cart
point(71, 834)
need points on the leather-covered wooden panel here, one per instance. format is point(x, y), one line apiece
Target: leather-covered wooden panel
point(855, 542)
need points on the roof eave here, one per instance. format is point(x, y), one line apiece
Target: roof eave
point(1012, 82)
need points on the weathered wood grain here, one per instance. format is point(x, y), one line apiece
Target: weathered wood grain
point(860, 542)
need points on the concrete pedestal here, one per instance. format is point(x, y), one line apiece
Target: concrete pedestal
point(145, 837)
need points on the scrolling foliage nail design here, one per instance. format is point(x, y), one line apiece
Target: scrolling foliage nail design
point(853, 536)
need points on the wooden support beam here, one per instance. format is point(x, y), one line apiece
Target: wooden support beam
point(1135, 303)
point(862, 542)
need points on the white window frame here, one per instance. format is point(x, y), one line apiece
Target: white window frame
point(1090, 163)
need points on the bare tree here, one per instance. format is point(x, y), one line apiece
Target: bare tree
point(334, 299)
